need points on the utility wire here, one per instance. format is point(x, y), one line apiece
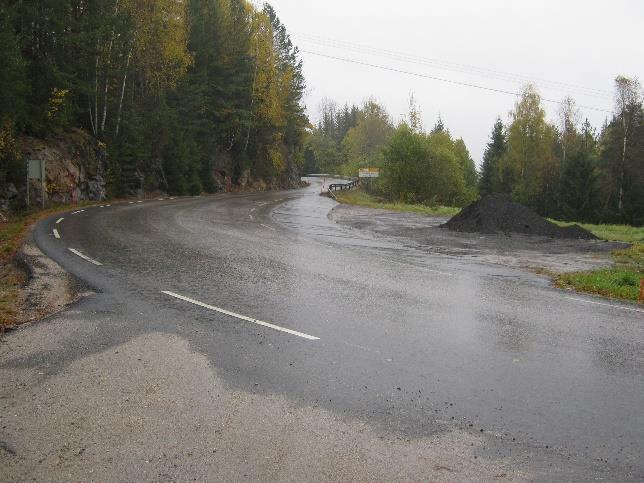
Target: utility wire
point(441, 79)
point(463, 68)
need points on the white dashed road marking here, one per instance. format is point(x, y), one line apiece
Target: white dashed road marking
point(84, 257)
point(607, 305)
point(79, 211)
point(59, 220)
point(241, 317)
point(269, 227)
point(56, 234)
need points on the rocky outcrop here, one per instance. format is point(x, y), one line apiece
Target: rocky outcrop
point(76, 165)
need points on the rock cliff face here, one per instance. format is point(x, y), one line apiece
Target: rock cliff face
point(76, 164)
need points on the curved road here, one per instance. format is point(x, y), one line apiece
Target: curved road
point(345, 355)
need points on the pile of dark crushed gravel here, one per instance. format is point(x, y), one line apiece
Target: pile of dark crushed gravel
point(497, 213)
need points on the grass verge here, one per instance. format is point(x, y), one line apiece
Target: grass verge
point(622, 281)
point(623, 233)
point(360, 198)
point(12, 278)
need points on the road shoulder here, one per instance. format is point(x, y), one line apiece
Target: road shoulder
point(45, 289)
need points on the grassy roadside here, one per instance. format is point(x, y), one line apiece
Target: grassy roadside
point(12, 236)
point(622, 280)
point(623, 233)
point(361, 198)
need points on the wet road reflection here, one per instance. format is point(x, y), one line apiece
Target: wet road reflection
point(485, 345)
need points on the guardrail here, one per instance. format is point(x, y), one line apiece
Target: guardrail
point(344, 186)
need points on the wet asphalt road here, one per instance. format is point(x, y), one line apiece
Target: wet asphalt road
point(409, 343)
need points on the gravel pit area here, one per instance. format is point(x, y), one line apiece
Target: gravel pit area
point(516, 250)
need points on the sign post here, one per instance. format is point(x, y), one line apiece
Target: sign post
point(36, 170)
point(369, 173)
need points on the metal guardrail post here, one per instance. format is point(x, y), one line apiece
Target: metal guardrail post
point(342, 186)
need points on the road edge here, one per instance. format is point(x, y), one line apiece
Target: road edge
point(47, 288)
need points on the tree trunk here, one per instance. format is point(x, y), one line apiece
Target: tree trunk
point(252, 101)
point(120, 110)
point(623, 164)
point(107, 71)
point(621, 175)
point(91, 116)
point(95, 123)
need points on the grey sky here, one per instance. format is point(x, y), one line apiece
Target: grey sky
point(574, 42)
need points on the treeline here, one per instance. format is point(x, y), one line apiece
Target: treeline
point(416, 166)
point(569, 171)
point(566, 170)
point(184, 94)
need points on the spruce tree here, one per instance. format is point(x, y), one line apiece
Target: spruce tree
point(578, 184)
point(494, 151)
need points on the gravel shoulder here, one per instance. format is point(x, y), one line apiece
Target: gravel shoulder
point(162, 413)
point(534, 253)
point(48, 288)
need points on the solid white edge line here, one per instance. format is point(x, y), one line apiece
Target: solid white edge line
point(84, 257)
point(241, 317)
point(605, 304)
point(56, 234)
point(59, 220)
point(266, 226)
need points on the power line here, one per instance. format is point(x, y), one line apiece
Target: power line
point(440, 79)
point(452, 66)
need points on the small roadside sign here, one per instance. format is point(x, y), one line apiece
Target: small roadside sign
point(36, 170)
point(369, 172)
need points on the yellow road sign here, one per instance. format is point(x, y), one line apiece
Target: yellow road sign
point(369, 172)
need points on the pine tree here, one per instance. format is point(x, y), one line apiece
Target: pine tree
point(578, 184)
point(438, 127)
point(489, 180)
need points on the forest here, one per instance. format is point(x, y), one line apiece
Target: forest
point(185, 97)
point(176, 91)
point(565, 170)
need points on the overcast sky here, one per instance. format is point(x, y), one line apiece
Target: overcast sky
point(566, 47)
